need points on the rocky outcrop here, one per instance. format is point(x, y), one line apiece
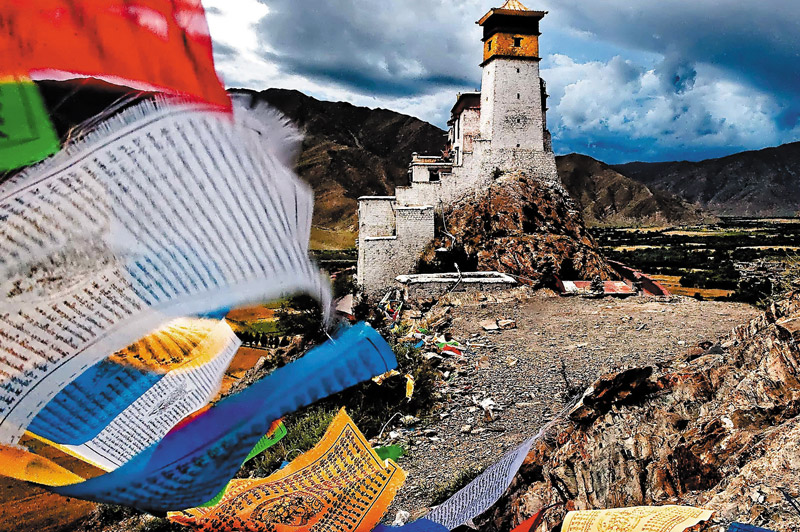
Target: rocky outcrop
point(718, 429)
point(518, 226)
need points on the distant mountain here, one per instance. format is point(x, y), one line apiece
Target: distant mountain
point(351, 151)
point(752, 183)
point(607, 197)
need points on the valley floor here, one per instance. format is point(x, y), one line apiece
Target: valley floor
point(522, 373)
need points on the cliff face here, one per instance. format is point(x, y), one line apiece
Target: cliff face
point(607, 197)
point(752, 183)
point(719, 429)
point(518, 226)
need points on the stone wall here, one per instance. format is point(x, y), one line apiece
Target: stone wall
point(376, 216)
point(468, 127)
point(420, 193)
point(428, 286)
point(534, 163)
point(382, 258)
point(511, 104)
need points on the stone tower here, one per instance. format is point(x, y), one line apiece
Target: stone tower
point(512, 94)
point(498, 130)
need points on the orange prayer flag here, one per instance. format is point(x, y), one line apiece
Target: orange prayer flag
point(341, 484)
point(145, 44)
point(16, 462)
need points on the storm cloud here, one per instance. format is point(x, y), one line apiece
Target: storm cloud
point(628, 79)
point(390, 48)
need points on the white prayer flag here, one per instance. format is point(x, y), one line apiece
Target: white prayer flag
point(163, 211)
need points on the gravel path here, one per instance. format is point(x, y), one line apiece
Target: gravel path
point(522, 373)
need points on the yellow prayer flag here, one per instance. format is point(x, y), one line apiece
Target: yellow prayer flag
point(341, 484)
point(636, 519)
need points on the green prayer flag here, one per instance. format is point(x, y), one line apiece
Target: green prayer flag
point(263, 444)
point(392, 452)
point(267, 441)
point(26, 133)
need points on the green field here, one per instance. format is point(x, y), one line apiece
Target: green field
point(708, 259)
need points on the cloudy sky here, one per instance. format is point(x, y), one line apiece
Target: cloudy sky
point(628, 79)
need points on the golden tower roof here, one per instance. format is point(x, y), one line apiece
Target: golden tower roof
point(514, 5)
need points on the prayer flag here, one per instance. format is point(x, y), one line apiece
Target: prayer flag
point(106, 421)
point(341, 484)
point(409, 386)
point(391, 452)
point(276, 433)
point(636, 519)
point(741, 527)
point(163, 211)
point(161, 45)
point(420, 525)
point(26, 133)
point(483, 492)
point(192, 463)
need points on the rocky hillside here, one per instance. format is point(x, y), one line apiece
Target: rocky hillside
point(607, 197)
point(352, 151)
point(752, 183)
point(719, 428)
point(517, 226)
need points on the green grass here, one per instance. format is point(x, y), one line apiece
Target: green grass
point(332, 239)
point(261, 327)
point(303, 431)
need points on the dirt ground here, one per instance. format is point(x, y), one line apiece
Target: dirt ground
point(521, 372)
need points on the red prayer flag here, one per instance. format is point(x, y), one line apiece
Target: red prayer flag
point(528, 525)
point(145, 44)
point(532, 524)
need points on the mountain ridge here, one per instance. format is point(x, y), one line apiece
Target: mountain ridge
point(763, 182)
point(352, 151)
point(607, 197)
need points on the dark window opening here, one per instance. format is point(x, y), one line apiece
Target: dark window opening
point(490, 46)
point(517, 96)
point(517, 145)
point(517, 42)
point(517, 71)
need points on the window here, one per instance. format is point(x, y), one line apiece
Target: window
point(490, 46)
point(517, 96)
point(517, 42)
point(517, 71)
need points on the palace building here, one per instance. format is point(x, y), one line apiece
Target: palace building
point(501, 129)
